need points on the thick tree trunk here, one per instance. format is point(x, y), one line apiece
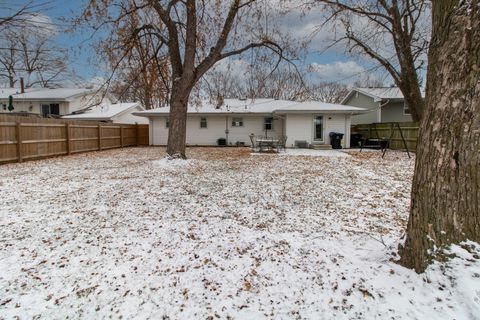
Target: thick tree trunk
point(445, 206)
point(177, 132)
point(412, 93)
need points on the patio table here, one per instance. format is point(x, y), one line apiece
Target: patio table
point(267, 144)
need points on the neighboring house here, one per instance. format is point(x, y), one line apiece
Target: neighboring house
point(235, 120)
point(116, 113)
point(49, 102)
point(384, 104)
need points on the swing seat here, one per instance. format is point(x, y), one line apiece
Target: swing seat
point(375, 143)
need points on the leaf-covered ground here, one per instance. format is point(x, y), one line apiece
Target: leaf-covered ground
point(225, 234)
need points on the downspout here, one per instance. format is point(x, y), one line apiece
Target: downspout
point(226, 130)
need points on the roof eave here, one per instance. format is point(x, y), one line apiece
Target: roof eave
point(316, 111)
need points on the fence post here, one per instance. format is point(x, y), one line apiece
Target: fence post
point(121, 136)
point(19, 141)
point(67, 132)
point(99, 137)
point(137, 130)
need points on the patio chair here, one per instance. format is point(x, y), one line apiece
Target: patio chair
point(282, 143)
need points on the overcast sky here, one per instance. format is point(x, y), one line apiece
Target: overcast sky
point(330, 65)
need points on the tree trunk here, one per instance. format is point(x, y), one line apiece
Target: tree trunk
point(177, 132)
point(412, 93)
point(11, 81)
point(445, 206)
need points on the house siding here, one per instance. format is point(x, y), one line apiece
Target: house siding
point(364, 101)
point(216, 126)
point(300, 127)
point(338, 123)
point(393, 112)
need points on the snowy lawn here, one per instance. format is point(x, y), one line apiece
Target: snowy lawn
point(226, 234)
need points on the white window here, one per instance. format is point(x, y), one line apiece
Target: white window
point(237, 122)
point(406, 109)
point(203, 122)
point(268, 123)
point(167, 123)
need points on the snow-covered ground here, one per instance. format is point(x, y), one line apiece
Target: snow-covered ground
point(225, 234)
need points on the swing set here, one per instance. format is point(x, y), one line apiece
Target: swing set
point(382, 143)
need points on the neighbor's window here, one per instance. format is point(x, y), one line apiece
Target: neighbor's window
point(203, 122)
point(406, 109)
point(167, 122)
point(4, 106)
point(48, 109)
point(237, 122)
point(268, 123)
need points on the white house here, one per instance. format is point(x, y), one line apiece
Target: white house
point(116, 113)
point(235, 120)
point(49, 102)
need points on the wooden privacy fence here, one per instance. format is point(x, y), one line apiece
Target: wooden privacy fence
point(33, 138)
point(384, 131)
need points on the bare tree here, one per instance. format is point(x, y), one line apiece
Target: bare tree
point(390, 33)
point(445, 206)
point(143, 71)
point(330, 92)
point(27, 50)
point(194, 35)
point(16, 13)
point(244, 80)
point(226, 80)
point(9, 63)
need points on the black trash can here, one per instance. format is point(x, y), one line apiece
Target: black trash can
point(336, 140)
point(222, 142)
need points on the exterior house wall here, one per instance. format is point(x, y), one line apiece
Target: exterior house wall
point(393, 112)
point(364, 101)
point(338, 123)
point(297, 127)
point(24, 106)
point(252, 124)
point(66, 107)
point(300, 127)
point(216, 126)
point(159, 132)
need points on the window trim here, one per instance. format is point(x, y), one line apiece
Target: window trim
point(272, 128)
point(234, 123)
point(206, 122)
point(49, 109)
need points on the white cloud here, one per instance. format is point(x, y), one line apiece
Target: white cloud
point(40, 24)
point(337, 71)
